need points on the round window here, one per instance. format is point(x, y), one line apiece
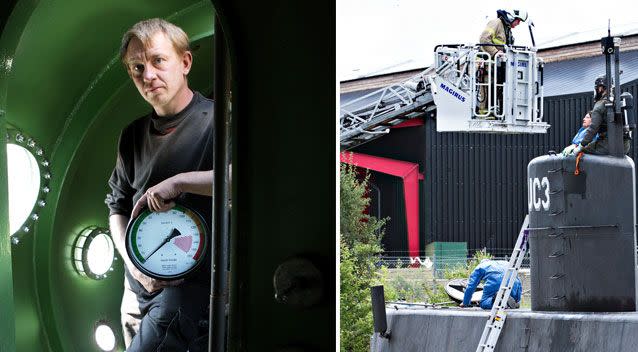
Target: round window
point(28, 178)
point(24, 185)
point(100, 254)
point(105, 337)
point(93, 253)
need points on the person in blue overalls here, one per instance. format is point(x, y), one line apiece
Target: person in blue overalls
point(579, 135)
point(492, 272)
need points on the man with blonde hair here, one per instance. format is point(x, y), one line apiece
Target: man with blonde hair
point(163, 157)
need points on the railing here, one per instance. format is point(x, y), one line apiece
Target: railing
point(374, 113)
point(500, 94)
point(512, 103)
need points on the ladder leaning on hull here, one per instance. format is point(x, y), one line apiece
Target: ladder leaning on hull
point(494, 325)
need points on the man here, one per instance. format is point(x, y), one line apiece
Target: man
point(499, 32)
point(579, 135)
point(492, 271)
point(598, 126)
point(162, 157)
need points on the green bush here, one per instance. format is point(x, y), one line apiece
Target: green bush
point(398, 287)
point(464, 271)
point(402, 289)
point(436, 294)
point(360, 245)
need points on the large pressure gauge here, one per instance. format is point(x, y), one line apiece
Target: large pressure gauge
point(167, 245)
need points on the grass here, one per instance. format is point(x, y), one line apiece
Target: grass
point(418, 285)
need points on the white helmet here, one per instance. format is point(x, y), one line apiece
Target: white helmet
point(516, 14)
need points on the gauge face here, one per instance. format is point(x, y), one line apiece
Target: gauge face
point(167, 245)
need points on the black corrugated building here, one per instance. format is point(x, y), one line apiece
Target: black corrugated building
point(475, 185)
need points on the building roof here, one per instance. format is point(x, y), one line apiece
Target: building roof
point(578, 75)
point(585, 49)
point(576, 38)
point(569, 69)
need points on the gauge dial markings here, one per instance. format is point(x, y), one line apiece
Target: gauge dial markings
point(148, 248)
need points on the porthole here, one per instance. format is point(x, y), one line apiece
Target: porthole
point(104, 336)
point(94, 253)
point(28, 177)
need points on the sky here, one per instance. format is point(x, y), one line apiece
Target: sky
point(382, 36)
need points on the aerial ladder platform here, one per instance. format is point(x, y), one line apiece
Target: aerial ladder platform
point(470, 91)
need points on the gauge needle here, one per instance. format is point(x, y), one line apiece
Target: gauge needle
point(173, 234)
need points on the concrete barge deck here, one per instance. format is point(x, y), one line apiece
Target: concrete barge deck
point(459, 330)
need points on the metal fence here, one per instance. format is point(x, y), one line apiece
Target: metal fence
point(398, 259)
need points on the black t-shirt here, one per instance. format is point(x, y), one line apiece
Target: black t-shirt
point(152, 149)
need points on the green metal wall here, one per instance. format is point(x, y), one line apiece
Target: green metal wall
point(7, 326)
point(66, 88)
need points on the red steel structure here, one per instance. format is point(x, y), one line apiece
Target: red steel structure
point(409, 173)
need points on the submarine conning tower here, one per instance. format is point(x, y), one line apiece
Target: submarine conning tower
point(582, 217)
point(582, 234)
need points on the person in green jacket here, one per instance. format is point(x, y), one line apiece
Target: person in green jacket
point(499, 32)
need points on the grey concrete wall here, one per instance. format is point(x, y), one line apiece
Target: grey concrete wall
point(459, 330)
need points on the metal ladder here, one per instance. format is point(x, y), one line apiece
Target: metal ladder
point(494, 324)
point(371, 116)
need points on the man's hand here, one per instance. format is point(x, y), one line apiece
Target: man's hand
point(568, 150)
point(117, 224)
point(158, 198)
point(151, 285)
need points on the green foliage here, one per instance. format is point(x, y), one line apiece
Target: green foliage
point(402, 289)
point(464, 271)
point(356, 308)
point(436, 294)
point(398, 285)
point(457, 272)
point(360, 244)
point(384, 278)
point(476, 259)
point(356, 226)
